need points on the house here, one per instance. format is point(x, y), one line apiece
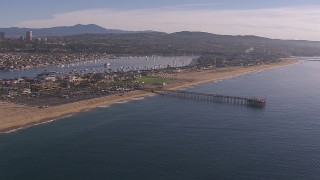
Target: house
point(26, 91)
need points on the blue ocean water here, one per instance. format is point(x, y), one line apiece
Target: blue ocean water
point(173, 138)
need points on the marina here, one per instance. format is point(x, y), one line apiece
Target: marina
point(104, 65)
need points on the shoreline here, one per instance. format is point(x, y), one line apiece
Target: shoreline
point(15, 117)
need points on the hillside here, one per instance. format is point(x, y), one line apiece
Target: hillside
point(60, 31)
point(199, 43)
point(223, 47)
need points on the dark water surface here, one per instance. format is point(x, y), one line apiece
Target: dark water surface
point(173, 138)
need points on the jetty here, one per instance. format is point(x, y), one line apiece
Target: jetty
point(254, 101)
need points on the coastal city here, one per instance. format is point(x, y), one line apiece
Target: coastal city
point(159, 90)
point(50, 72)
point(52, 88)
point(12, 58)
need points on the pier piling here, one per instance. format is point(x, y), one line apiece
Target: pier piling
point(260, 102)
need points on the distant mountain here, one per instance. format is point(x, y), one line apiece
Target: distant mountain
point(63, 31)
point(198, 43)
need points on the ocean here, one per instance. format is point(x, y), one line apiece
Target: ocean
point(167, 138)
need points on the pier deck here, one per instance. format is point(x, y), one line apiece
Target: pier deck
point(210, 97)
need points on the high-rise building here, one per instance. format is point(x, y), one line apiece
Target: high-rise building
point(29, 36)
point(2, 36)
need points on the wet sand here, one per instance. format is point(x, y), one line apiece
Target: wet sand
point(15, 116)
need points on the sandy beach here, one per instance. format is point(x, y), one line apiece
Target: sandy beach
point(14, 116)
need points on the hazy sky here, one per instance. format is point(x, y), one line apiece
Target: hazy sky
point(285, 19)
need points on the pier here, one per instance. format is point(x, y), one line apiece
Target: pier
point(259, 102)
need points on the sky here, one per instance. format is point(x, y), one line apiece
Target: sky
point(282, 19)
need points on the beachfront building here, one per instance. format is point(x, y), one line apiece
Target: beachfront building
point(2, 35)
point(29, 36)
